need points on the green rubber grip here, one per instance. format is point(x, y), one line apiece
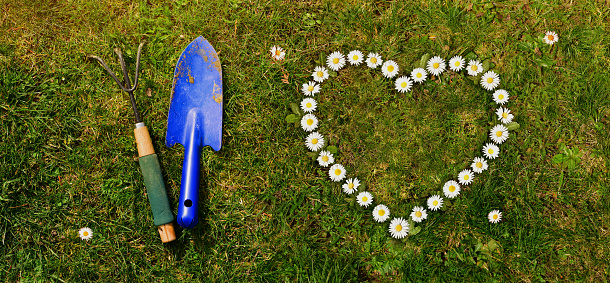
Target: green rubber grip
point(155, 188)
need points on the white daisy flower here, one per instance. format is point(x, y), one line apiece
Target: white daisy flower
point(320, 74)
point(418, 75)
point(309, 105)
point(498, 134)
point(389, 69)
point(504, 115)
point(337, 172)
point(355, 57)
point(550, 37)
point(373, 60)
point(451, 189)
point(399, 228)
point(277, 53)
point(418, 214)
point(85, 233)
point(364, 199)
point(381, 213)
point(474, 68)
point(479, 164)
point(314, 141)
point(436, 65)
point(500, 96)
point(457, 63)
point(325, 158)
point(494, 216)
point(435, 202)
point(351, 185)
point(491, 151)
point(490, 80)
point(310, 88)
point(465, 177)
point(403, 84)
point(309, 122)
point(335, 61)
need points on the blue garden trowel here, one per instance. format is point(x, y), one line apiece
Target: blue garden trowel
point(195, 118)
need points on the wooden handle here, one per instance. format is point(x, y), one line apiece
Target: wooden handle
point(167, 232)
point(143, 141)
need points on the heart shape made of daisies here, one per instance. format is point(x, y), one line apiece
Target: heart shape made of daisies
point(400, 227)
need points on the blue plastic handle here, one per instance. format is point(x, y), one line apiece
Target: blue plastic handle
point(188, 215)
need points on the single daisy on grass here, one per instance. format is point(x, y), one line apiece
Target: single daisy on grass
point(418, 214)
point(498, 134)
point(335, 61)
point(495, 216)
point(337, 172)
point(85, 233)
point(351, 185)
point(504, 115)
point(418, 75)
point(320, 74)
point(550, 37)
point(373, 60)
point(389, 69)
point(364, 199)
point(399, 228)
point(309, 122)
point(355, 57)
point(310, 88)
point(277, 53)
point(451, 189)
point(479, 164)
point(457, 63)
point(435, 202)
point(325, 158)
point(403, 84)
point(500, 96)
point(314, 141)
point(491, 151)
point(436, 65)
point(490, 80)
point(465, 177)
point(309, 105)
point(474, 67)
point(381, 213)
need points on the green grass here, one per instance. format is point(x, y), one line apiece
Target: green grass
point(269, 213)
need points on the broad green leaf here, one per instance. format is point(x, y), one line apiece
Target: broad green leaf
point(512, 126)
point(295, 109)
point(332, 149)
point(414, 231)
point(544, 62)
point(424, 60)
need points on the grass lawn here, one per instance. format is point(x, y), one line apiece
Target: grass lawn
point(269, 212)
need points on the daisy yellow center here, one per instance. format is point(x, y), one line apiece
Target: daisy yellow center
point(479, 165)
point(390, 68)
point(310, 122)
point(278, 53)
point(85, 233)
point(350, 186)
point(374, 60)
point(435, 203)
point(495, 216)
point(355, 57)
point(466, 177)
point(319, 74)
point(490, 151)
point(504, 115)
point(551, 37)
point(335, 60)
point(325, 158)
point(310, 88)
point(337, 172)
point(498, 133)
point(381, 212)
point(452, 188)
point(365, 199)
point(474, 67)
point(418, 75)
point(490, 80)
point(314, 141)
point(308, 104)
point(500, 96)
point(403, 84)
point(457, 63)
point(436, 65)
point(398, 227)
point(418, 213)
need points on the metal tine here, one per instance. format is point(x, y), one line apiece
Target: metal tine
point(126, 89)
